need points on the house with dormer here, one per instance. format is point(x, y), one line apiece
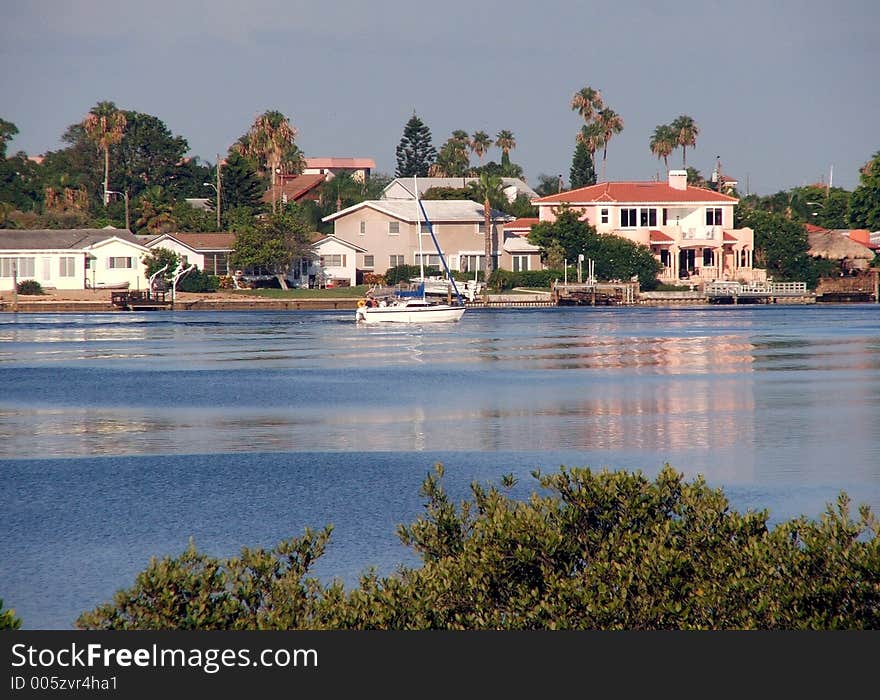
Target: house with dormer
point(688, 229)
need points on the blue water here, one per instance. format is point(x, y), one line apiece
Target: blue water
point(122, 436)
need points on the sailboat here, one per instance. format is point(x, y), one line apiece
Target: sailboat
point(415, 309)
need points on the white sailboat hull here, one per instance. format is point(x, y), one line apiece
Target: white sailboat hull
point(409, 313)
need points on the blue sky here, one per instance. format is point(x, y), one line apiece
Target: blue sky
point(784, 91)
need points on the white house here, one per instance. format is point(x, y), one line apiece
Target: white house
point(72, 258)
point(208, 251)
point(336, 261)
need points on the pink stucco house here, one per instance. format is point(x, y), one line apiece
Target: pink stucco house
point(689, 229)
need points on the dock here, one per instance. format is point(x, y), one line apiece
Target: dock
point(137, 300)
point(759, 293)
point(595, 293)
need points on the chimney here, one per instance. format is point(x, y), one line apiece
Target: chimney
point(678, 179)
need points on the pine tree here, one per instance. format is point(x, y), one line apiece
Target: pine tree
point(415, 152)
point(241, 186)
point(582, 171)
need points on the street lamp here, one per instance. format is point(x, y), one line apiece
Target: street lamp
point(217, 190)
point(107, 194)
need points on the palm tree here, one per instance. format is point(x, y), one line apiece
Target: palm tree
point(105, 127)
point(588, 103)
point(592, 136)
point(611, 123)
point(271, 141)
point(480, 143)
point(663, 142)
point(487, 188)
point(686, 130)
point(506, 142)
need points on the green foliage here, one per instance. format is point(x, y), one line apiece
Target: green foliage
point(453, 159)
point(447, 193)
point(272, 244)
point(600, 550)
point(865, 201)
point(148, 155)
point(582, 171)
point(8, 620)
point(30, 287)
point(159, 258)
point(415, 153)
point(781, 246)
point(189, 218)
point(569, 231)
point(533, 279)
point(240, 184)
point(404, 273)
point(198, 281)
point(521, 207)
point(548, 184)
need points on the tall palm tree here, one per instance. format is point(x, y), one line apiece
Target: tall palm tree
point(505, 140)
point(105, 127)
point(271, 141)
point(611, 123)
point(480, 143)
point(687, 131)
point(663, 142)
point(593, 137)
point(587, 102)
point(487, 188)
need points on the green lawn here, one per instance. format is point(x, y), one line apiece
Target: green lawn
point(333, 293)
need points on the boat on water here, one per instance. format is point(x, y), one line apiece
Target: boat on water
point(414, 308)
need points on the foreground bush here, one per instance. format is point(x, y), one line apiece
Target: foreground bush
point(30, 288)
point(592, 550)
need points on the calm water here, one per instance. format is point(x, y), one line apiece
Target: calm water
point(123, 435)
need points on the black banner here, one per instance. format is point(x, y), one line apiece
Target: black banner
point(405, 664)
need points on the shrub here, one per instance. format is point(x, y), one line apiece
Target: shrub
point(597, 550)
point(30, 287)
point(198, 281)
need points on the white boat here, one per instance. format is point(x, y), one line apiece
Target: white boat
point(410, 311)
point(414, 309)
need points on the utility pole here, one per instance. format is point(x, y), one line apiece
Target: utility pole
point(219, 196)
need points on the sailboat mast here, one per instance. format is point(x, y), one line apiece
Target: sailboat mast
point(419, 234)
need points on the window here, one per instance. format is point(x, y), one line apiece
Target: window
point(481, 228)
point(471, 263)
point(603, 213)
point(430, 259)
point(647, 217)
point(628, 218)
point(363, 227)
point(118, 263)
point(393, 228)
point(23, 267)
point(335, 260)
point(425, 228)
point(713, 216)
point(66, 267)
point(520, 263)
point(395, 260)
point(217, 264)
point(369, 261)
point(708, 257)
point(665, 215)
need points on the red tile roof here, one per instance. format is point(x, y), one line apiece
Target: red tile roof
point(728, 237)
point(353, 163)
point(295, 187)
point(660, 237)
point(635, 192)
point(524, 223)
point(812, 228)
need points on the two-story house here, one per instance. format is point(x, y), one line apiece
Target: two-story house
point(387, 230)
point(689, 229)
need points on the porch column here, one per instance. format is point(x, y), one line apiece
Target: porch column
point(673, 254)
